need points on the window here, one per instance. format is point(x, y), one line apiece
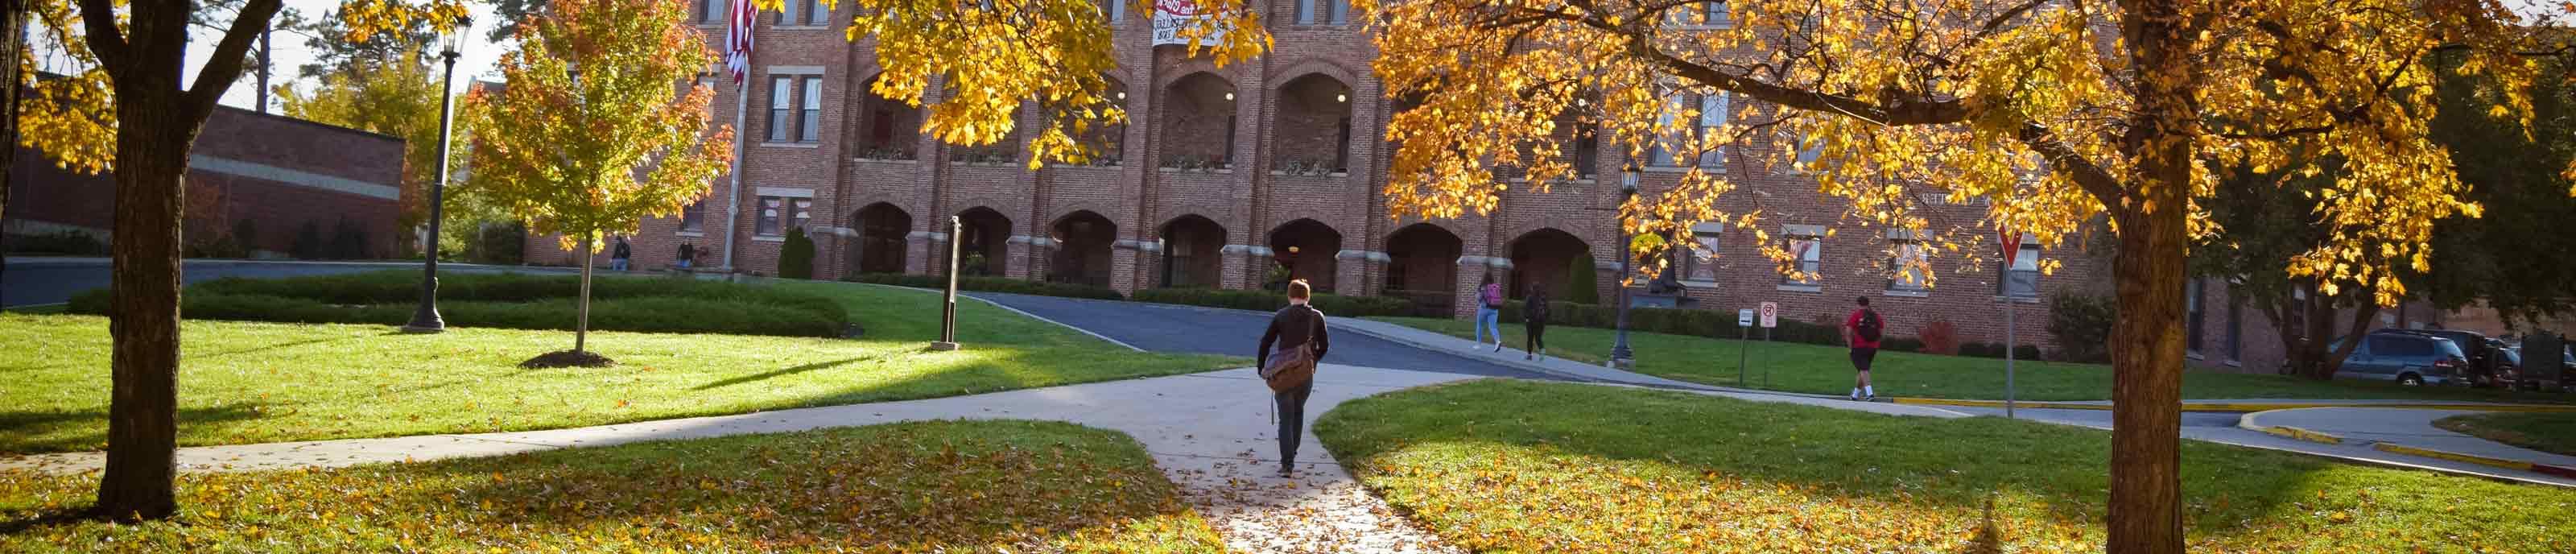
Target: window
point(810, 127)
point(2191, 309)
point(1713, 110)
point(1705, 14)
point(1806, 244)
point(767, 224)
point(1334, 12)
point(693, 219)
point(1587, 153)
point(1712, 115)
point(800, 212)
point(2021, 276)
point(1809, 148)
point(781, 102)
point(2235, 330)
point(1342, 146)
point(1699, 258)
point(713, 11)
point(816, 13)
point(1909, 263)
point(1117, 10)
point(788, 14)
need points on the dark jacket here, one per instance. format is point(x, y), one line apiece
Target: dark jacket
point(1534, 308)
point(1293, 325)
point(622, 251)
point(686, 252)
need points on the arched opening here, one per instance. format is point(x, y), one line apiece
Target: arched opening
point(983, 242)
point(1198, 124)
point(887, 129)
point(880, 248)
point(1314, 127)
point(1422, 266)
point(1306, 249)
point(1550, 257)
point(1190, 253)
point(1083, 240)
point(1104, 140)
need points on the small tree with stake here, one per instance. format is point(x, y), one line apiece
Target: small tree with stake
point(590, 152)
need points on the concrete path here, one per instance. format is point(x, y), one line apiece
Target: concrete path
point(1195, 329)
point(2405, 427)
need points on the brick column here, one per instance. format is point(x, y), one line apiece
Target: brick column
point(1351, 271)
point(1235, 266)
point(1015, 263)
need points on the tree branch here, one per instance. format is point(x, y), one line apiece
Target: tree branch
point(106, 42)
point(226, 64)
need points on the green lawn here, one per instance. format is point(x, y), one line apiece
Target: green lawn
point(242, 382)
point(1827, 370)
point(2546, 432)
point(1511, 466)
point(990, 486)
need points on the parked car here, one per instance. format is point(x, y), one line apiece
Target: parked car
point(2537, 374)
point(2405, 357)
point(2483, 369)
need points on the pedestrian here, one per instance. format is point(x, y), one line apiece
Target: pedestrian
point(1299, 332)
point(688, 253)
point(1861, 331)
point(617, 257)
point(1534, 321)
point(1489, 313)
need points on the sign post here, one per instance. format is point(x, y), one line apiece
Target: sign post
point(1770, 319)
point(1743, 342)
point(948, 308)
point(2011, 243)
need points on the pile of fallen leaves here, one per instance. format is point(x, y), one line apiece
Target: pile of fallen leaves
point(988, 486)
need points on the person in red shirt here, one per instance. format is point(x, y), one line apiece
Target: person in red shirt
point(1861, 331)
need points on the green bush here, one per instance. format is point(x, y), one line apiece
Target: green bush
point(1262, 300)
point(515, 301)
point(503, 243)
point(1582, 285)
point(1676, 321)
point(991, 284)
point(1996, 350)
point(68, 243)
point(1901, 344)
point(2081, 323)
point(796, 257)
point(308, 242)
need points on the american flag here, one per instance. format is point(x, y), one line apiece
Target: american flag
point(738, 40)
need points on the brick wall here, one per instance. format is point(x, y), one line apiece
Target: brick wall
point(276, 172)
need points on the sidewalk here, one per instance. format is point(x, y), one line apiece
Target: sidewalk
point(2411, 432)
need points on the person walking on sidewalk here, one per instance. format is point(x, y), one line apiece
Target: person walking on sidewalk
point(1298, 331)
point(1534, 321)
point(688, 253)
point(617, 257)
point(1861, 331)
point(1489, 315)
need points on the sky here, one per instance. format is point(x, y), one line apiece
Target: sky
point(475, 59)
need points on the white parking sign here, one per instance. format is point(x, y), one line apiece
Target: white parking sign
point(1744, 317)
point(1770, 315)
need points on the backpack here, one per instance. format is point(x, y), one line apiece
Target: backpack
point(1493, 296)
point(1869, 326)
point(1536, 310)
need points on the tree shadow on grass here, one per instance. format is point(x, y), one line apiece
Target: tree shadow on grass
point(791, 370)
point(41, 431)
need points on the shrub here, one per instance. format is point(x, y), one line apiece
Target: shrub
point(349, 241)
point(1582, 284)
point(796, 257)
point(1676, 321)
point(990, 284)
point(2081, 323)
point(502, 243)
point(68, 243)
point(308, 242)
point(1996, 350)
point(1939, 337)
point(1901, 344)
point(1262, 300)
point(508, 300)
point(246, 235)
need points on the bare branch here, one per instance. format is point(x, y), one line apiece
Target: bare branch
point(226, 64)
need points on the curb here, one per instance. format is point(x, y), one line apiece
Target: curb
point(2545, 469)
point(2247, 407)
point(2248, 423)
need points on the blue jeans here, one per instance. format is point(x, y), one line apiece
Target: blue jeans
point(617, 264)
point(1489, 319)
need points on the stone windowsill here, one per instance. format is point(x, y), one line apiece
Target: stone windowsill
point(1681, 169)
point(1178, 170)
point(884, 161)
point(808, 27)
point(2196, 356)
point(768, 238)
point(2020, 299)
point(700, 234)
point(1086, 166)
point(1319, 26)
point(1335, 174)
point(1787, 287)
point(2234, 363)
point(1900, 293)
point(808, 145)
point(984, 164)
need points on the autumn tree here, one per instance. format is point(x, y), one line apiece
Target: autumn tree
point(594, 132)
point(2058, 112)
point(397, 94)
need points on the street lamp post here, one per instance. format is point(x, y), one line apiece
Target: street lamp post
point(426, 320)
point(1620, 356)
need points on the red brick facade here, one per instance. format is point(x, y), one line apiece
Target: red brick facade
point(276, 172)
point(1278, 170)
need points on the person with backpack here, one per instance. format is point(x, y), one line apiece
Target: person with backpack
point(1534, 321)
point(688, 253)
point(1489, 314)
point(1298, 330)
point(1862, 332)
point(617, 257)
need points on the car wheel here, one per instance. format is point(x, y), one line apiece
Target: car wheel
point(2411, 380)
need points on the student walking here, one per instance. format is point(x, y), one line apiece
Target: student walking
point(1298, 330)
point(688, 253)
point(1534, 321)
point(617, 257)
point(1489, 314)
point(1861, 331)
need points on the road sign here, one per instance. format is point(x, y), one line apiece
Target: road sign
point(1770, 315)
point(2011, 243)
point(1744, 317)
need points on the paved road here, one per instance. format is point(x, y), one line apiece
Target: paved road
point(2101, 418)
point(1169, 328)
point(35, 281)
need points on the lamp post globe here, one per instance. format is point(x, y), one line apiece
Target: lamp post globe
point(1620, 356)
point(426, 319)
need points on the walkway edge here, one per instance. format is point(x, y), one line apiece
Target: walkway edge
point(2189, 406)
point(2251, 422)
point(962, 294)
point(2548, 469)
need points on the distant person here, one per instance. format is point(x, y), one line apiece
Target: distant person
point(688, 253)
point(617, 256)
point(1489, 313)
point(1298, 330)
point(1534, 321)
point(1861, 331)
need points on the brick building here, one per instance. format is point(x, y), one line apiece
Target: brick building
point(1226, 172)
point(281, 175)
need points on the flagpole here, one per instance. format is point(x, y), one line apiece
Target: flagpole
point(733, 191)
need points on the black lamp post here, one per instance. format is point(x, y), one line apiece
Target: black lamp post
point(426, 320)
point(1620, 356)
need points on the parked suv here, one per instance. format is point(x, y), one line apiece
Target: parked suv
point(2406, 357)
point(2484, 368)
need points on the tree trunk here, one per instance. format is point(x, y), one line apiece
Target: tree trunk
point(2146, 388)
point(13, 20)
point(581, 329)
point(152, 140)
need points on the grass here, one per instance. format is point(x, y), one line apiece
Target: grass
point(509, 300)
point(242, 382)
point(989, 486)
point(1508, 466)
point(1827, 370)
point(2547, 432)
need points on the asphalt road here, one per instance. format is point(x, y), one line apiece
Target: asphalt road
point(1169, 328)
point(2100, 418)
point(38, 281)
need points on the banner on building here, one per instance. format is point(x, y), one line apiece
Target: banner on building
point(1171, 16)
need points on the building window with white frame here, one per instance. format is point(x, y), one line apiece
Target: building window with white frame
point(1808, 147)
point(1712, 109)
point(809, 127)
point(1116, 9)
point(1704, 14)
point(782, 104)
point(771, 213)
point(816, 13)
point(714, 11)
point(2021, 274)
point(800, 212)
point(1327, 12)
point(693, 219)
point(1806, 245)
point(1699, 257)
point(1909, 264)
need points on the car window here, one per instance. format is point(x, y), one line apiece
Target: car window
point(2448, 347)
point(2400, 347)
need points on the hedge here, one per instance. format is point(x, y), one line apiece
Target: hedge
point(515, 301)
point(1262, 300)
point(1675, 321)
point(991, 284)
point(1996, 350)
